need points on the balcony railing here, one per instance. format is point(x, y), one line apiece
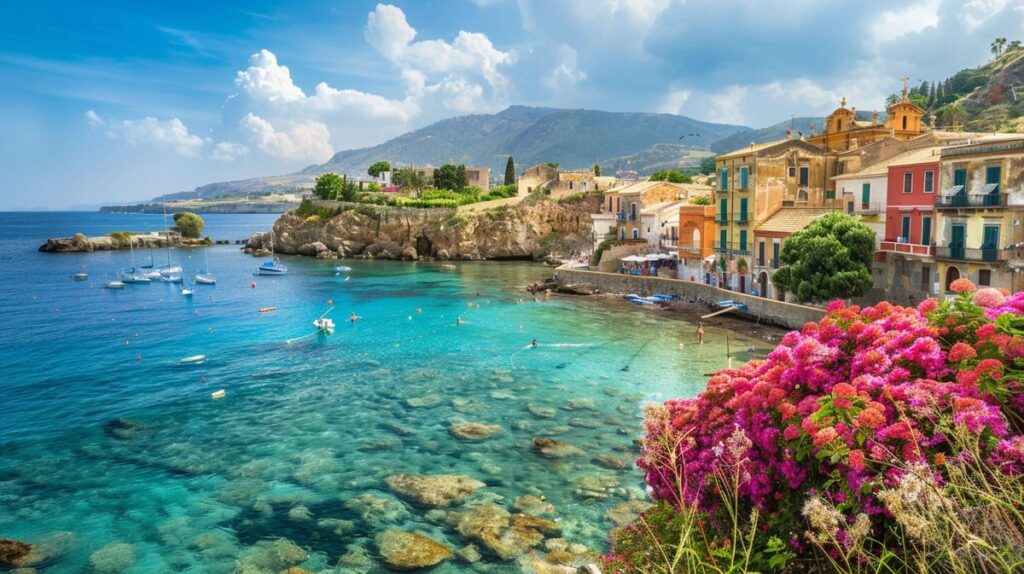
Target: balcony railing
point(721, 218)
point(732, 248)
point(955, 253)
point(971, 201)
point(691, 249)
point(742, 217)
point(624, 217)
point(766, 262)
point(669, 242)
point(896, 246)
point(868, 208)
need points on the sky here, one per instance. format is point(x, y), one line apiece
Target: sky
point(106, 101)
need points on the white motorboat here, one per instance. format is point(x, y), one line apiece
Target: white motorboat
point(324, 324)
point(80, 276)
point(194, 359)
point(185, 290)
point(115, 285)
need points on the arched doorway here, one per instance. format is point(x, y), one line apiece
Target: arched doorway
point(952, 274)
point(762, 284)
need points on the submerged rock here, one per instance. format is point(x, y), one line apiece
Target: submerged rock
point(542, 412)
point(376, 510)
point(14, 553)
point(114, 557)
point(529, 504)
point(424, 402)
point(270, 556)
point(474, 431)
point(612, 462)
point(124, 429)
point(402, 550)
point(551, 448)
point(627, 512)
point(434, 490)
point(469, 554)
point(504, 535)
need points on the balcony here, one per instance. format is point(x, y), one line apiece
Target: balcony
point(721, 218)
point(624, 217)
point(773, 263)
point(986, 255)
point(742, 217)
point(895, 246)
point(868, 207)
point(691, 250)
point(732, 248)
point(971, 201)
point(668, 242)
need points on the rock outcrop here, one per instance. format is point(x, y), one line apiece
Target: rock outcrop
point(14, 553)
point(79, 243)
point(435, 490)
point(402, 550)
point(534, 229)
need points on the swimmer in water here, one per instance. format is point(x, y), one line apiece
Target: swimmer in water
point(700, 332)
point(533, 343)
point(354, 317)
point(458, 321)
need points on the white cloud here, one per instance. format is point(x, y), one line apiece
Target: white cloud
point(673, 101)
point(565, 72)
point(266, 80)
point(304, 140)
point(229, 151)
point(165, 134)
point(892, 24)
point(329, 99)
point(975, 13)
point(470, 57)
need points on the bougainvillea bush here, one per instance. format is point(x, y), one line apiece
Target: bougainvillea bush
point(879, 439)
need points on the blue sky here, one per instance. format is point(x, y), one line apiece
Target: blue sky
point(121, 101)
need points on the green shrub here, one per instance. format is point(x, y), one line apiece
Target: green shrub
point(121, 238)
point(595, 259)
point(188, 224)
point(571, 198)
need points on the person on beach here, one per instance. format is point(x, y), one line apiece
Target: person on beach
point(700, 332)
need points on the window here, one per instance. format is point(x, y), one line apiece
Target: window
point(636, 234)
point(760, 253)
point(723, 210)
point(792, 171)
point(632, 207)
point(905, 228)
point(583, 185)
point(743, 209)
point(992, 176)
point(721, 239)
point(609, 204)
point(960, 179)
point(985, 277)
point(743, 240)
point(929, 181)
point(926, 230)
point(805, 175)
point(865, 195)
point(775, 254)
point(744, 177)
point(926, 278)
point(908, 181)
point(723, 179)
point(570, 185)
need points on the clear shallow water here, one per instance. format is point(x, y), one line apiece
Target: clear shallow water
point(310, 424)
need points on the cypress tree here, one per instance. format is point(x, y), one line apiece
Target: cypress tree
point(510, 171)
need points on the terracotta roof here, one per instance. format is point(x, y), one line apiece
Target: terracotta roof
point(920, 155)
point(791, 219)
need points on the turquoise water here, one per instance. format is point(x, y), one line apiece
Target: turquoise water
point(309, 422)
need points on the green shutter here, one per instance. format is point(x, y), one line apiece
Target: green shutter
point(926, 231)
point(723, 210)
point(743, 209)
point(721, 237)
point(865, 195)
point(744, 177)
point(743, 240)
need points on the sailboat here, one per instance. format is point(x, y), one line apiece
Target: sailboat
point(132, 275)
point(169, 270)
point(274, 266)
point(204, 277)
point(185, 290)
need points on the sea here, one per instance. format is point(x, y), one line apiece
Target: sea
point(115, 457)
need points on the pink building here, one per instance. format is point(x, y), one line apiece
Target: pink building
point(909, 242)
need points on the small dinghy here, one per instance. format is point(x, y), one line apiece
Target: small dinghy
point(185, 291)
point(80, 276)
point(115, 285)
point(339, 269)
point(194, 359)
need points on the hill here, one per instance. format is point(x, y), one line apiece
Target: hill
point(532, 135)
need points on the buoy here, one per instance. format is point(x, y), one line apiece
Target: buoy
point(218, 394)
point(543, 498)
point(253, 284)
point(202, 378)
point(418, 310)
point(138, 357)
point(330, 301)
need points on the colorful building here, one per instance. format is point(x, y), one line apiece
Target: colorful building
point(979, 231)
point(628, 201)
point(753, 184)
point(768, 238)
point(843, 131)
point(696, 242)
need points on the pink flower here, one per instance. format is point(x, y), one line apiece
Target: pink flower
point(844, 390)
point(960, 352)
point(870, 419)
point(927, 306)
point(988, 297)
point(856, 459)
point(825, 436)
point(962, 285)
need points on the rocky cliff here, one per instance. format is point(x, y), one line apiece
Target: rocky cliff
point(534, 229)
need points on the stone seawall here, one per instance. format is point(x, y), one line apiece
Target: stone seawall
point(779, 313)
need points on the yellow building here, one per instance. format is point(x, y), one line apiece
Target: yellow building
point(979, 230)
point(629, 200)
point(755, 182)
point(844, 132)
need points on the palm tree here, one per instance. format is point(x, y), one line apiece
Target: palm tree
point(408, 179)
point(997, 46)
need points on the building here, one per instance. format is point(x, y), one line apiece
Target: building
point(628, 201)
point(478, 176)
point(768, 237)
point(979, 213)
point(755, 182)
point(553, 181)
point(696, 242)
point(906, 249)
point(843, 131)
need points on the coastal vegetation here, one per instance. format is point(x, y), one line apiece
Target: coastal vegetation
point(121, 238)
point(829, 259)
point(672, 176)
point(510, 171)
point(188, 224)
point(378, 168)
point(880, 439)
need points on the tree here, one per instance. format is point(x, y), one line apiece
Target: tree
point(707, 165)
point(918, 99)
point(997, 46)
point(378, 168)
point(450, 176)
point(409, 179)
point(510, 171)
point(829, 259)
point(597, 170)
point(1014, 45)
point(348, 190)
point(672, 176)
point(553, 164)
point(329, 186)
point(188, 224)
point(892, 100)
point(951, 115)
